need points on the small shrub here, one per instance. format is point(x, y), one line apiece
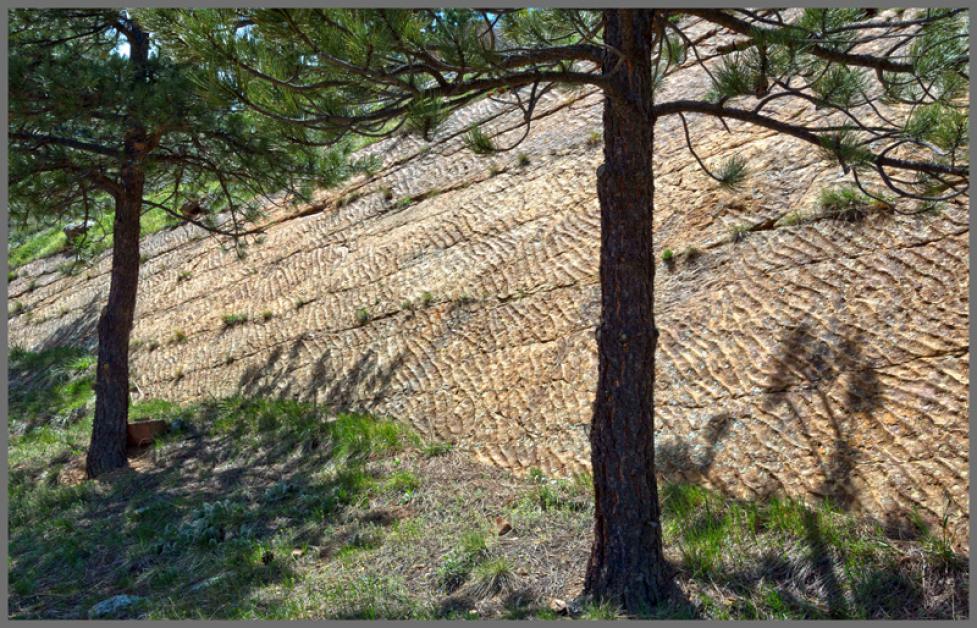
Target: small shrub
point(790, 219)
point(426, 298)
point(478, 142)
point(362, 316)
point(667, 255)
point(433, 450)
point(458, 564)
point(522, 160)
point(404, 483)
point(179, 336)
point(536, 475)
point(452, 572)
point(844, 203)
point(738, 232)
point(232, 320)
point(494, 576)
point(70, 268)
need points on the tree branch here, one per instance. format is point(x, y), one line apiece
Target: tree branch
point(742, 27)
point(42, 139)
point(800, 132)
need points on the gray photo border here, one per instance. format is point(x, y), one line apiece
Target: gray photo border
point(4, 233)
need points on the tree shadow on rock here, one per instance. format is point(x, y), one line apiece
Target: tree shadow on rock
point(356, 389)
point(675, 459)
point(806, 361)
point(81, 329)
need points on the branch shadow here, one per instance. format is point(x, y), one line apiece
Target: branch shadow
point(213, 496)
point(81, 330)
point(356, 389)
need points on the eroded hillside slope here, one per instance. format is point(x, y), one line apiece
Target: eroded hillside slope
point(460, 293)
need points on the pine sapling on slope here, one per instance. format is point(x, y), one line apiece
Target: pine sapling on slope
point(104, 120)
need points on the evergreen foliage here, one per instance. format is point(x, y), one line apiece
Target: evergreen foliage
point(73, 91)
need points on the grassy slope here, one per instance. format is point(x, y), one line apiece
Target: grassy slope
point(276, 509)
point(52, 240)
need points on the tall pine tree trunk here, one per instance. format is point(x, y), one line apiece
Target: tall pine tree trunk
point(107, 449)
point(626, 564)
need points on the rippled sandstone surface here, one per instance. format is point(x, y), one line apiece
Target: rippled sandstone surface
point(460, 293)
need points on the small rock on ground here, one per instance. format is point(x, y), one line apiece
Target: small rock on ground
point(113, 606)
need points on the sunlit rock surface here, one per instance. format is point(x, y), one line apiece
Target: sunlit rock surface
point(822, 358)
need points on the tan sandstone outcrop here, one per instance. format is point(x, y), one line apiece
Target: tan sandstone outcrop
point(825, 358)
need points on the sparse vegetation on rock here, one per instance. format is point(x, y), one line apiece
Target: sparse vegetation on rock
point(362, 316)
point(233, 320)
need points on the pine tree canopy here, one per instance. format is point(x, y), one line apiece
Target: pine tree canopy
point(891, 92)
point(75, 90)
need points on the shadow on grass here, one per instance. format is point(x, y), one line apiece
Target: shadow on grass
point(46, 387)
point(218, 512)
point(783, 559)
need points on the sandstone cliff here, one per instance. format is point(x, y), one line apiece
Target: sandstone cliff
point(813, 357)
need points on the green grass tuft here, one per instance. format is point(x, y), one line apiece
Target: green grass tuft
point(732, 172)
point(435, 449)
point(844, 203)
point(601, 611)
point(233, 320)
point(738, 232)
point(478, 142)
point(493, 576)
point(362, 316)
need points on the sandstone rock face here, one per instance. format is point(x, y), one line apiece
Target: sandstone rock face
point(460, 293)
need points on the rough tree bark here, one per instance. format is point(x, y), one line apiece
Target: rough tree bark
point(107, 449)
point(626, 564)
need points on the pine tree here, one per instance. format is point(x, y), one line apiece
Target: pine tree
point(100, 117)
point(890, 93)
